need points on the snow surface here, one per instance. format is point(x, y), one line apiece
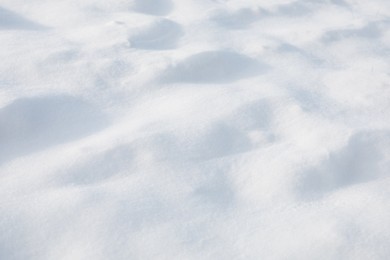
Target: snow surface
point(194, 129)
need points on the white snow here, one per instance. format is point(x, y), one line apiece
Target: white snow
point(194, 129)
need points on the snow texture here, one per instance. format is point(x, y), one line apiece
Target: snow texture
point(194, 129)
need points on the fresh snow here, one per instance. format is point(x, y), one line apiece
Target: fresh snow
point(194, 129)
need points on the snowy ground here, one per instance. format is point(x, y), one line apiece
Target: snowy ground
point(194, 129)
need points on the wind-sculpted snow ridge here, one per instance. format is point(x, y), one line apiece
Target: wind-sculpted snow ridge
point(183, 129)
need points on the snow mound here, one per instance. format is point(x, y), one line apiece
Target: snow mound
point(194, 129)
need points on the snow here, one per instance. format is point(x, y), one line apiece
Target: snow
point(194, 129)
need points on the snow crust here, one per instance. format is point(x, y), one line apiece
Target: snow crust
point(194, 129)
